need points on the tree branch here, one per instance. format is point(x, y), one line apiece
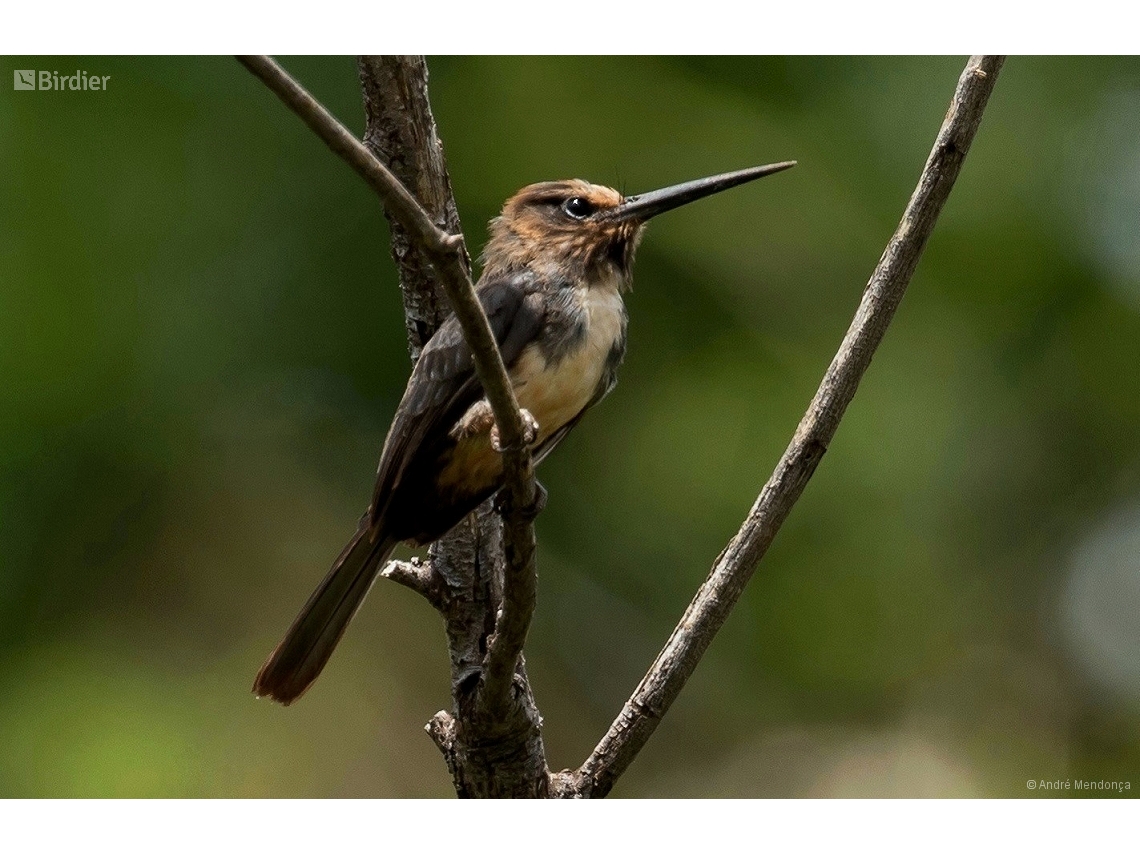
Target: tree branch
point(448, 255)
point(493, 743)
point(400, 131)
point(415, 575)
point(446, 252)
point(732, 570)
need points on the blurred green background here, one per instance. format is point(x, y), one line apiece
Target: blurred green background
point(201, 346)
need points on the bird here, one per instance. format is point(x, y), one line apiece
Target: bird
point(559, 257)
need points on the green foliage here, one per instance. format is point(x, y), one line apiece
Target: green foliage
point(201, 344)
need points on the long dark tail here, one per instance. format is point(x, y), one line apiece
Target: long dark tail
point(299, 658)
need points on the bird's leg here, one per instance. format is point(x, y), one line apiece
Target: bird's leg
point(530, 430)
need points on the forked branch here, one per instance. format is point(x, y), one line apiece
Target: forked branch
point(733, 568)
point(448, 255)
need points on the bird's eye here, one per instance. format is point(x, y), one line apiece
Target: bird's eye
point(578, 208)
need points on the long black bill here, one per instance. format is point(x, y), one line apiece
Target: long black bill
point(647, 205)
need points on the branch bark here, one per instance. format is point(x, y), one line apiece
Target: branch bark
point(400, 131)
point(483, 587)
point(446, 252)
point(718, 595)
point(493, 744)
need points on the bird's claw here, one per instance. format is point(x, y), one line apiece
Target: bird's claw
point(530, 427)
point(530, 431)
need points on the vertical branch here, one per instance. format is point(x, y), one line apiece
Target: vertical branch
point(495, 746)
point(486, 566)
point(400, 131)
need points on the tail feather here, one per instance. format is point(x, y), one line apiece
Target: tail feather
point(299, 658)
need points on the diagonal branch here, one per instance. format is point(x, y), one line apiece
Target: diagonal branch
point(732, 570)
point(448, 256)
point(490, 752)
point(443, 250)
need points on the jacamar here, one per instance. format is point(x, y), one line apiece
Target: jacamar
point(559, 258)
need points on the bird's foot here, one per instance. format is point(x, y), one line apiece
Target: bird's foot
point(530, 431)
point(531, 511)
point(477, 419)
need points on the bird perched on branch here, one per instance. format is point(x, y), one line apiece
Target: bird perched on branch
point(559, 258)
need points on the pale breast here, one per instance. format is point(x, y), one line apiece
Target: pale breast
point(558, 389)
point(553, 390)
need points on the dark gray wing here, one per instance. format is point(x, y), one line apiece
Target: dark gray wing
point(443, 384)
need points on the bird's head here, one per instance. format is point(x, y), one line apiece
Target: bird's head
point(574, 229)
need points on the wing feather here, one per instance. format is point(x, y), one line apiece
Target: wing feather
point(444, 384)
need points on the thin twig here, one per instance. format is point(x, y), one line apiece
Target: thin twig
point(445, 251)
point(414, 575)
point(401, 203)
point(448, 256)
point(732, 570)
